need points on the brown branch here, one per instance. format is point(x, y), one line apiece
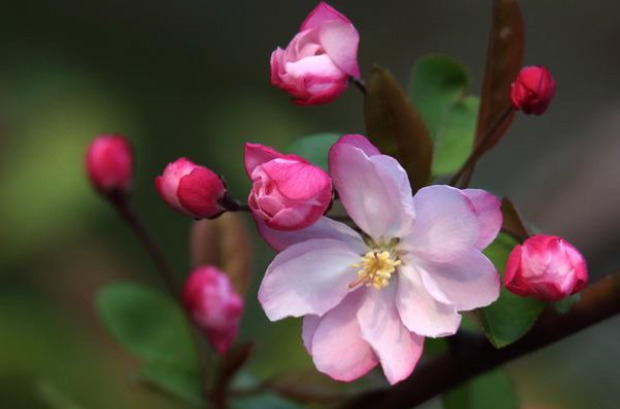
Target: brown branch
point(476, 355)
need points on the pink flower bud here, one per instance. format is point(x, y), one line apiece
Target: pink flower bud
point(316, 65)
point(191, 189)
point(213, 306)
point(533, 90)
point(109, 164)
point(288, 193)
point(547, 268)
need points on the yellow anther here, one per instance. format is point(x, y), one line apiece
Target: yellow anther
point(376, 269)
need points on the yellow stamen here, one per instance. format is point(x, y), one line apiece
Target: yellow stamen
point(375, 270)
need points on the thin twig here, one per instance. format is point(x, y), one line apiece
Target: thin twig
point(476, 355)
point(131, 219)
point(479, 150)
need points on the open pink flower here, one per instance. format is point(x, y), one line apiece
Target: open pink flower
point(371, 298)
point(316, 65)
point(288, 192)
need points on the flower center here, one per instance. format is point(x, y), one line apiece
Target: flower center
point(376, 269)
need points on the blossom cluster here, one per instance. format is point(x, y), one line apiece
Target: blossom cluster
point(371, 284)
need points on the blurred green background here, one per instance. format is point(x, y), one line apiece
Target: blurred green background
point(191, 78)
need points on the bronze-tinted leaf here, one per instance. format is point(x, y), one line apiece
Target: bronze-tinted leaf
point(396, 128)
point(504, 61)
point(512, 220)
point(225, 243)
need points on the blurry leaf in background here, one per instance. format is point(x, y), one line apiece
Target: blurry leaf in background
point(54, 398)
point(151, 326)
point(437, 89)
point(148, 324)
point(492, 390)
point(456, 137)
point(437, 82)
point(52, 112)
point(225, 243)
point(511, 316)
point(396, 128)
point(314, 148)
point(180, 383)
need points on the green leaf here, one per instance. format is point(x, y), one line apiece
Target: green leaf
point(180, 383)
point(493, 390)
point(455, 138)
point(314, 148)
point(147, 323)
point(396, 128)
point(511, 316)
point(437, 82)
point(564, 306)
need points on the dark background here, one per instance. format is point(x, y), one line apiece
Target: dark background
point(191, 78)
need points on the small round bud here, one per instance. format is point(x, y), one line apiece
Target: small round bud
point(533, 90)
point(191, 189)
point(109, 164)
point(547, 268)
point(213, 306)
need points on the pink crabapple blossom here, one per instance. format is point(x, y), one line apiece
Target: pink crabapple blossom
point(214, 306)
point(533, 90)
point(316, 65)
point(109, 164)
point(547, 268)
point(288, 192)
point(371, 297)
point(191, 189)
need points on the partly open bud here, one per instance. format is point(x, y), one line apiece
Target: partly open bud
point(213, 306)
point(315, 67)
point(547, 268)
point(288, 192)
point(191, 189)
point(533, 90)
point(109, 164)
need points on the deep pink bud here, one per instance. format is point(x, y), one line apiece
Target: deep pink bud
point(288, 192)
point(316, 65)
point(547, 268)
point(109, 164)
point(191, 189)
point(533, 90)
point(214, 306)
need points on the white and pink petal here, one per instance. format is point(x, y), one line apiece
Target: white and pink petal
point(470, 281)
point(445, 225)
point(489, 212)
point(397, 348)
point(337, 346)
point(419, 310)
point(307, 278)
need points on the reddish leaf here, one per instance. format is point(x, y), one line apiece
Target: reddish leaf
point(512, 221)
point(397, 129)
point(224, 243)
point(504, 61)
